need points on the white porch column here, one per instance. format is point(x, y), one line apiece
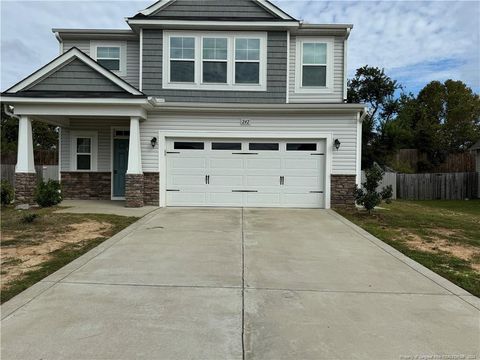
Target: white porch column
point(25, 162)
point(134, 150)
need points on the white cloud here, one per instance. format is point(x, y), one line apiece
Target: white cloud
point(416, 41)
point(421, 40)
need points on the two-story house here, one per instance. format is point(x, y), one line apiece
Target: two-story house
point(200, 103)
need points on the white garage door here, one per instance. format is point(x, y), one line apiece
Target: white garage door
point(246, 173)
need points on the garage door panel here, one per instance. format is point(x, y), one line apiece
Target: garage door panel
point(262, 199)
point(188, 179)
point(187, 198)
point(303, 181)
point(227, 198)
point(309, 163)
point(226, 180)
point(187, 162)
point(304, 200)
point(265, 163)
point(225, 163)
point(263, 180)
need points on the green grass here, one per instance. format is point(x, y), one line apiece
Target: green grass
point(46, 224)
point(454, 222)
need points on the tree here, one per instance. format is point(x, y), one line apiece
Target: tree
point(373, 87)
point(442, 119)
point(45, 136)
point(367, 195)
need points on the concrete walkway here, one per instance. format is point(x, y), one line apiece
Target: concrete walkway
point(242, 284)
point(103, 207)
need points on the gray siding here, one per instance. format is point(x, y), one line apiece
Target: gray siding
point(342, 126)
point(220, 9)
point(276, 74)
point(104, 128)
point(76, 76)
point(133, 57)
point(337, 94)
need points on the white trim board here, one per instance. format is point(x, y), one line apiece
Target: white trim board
point(64, 59)
point(163, 135)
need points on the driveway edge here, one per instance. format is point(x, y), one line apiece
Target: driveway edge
point(439, 280)
point(20, 300)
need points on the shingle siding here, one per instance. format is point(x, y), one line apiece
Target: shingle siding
point(241, 9)
point(76, 76)
point(276, 74)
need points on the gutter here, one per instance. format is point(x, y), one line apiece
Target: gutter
point(9, 113)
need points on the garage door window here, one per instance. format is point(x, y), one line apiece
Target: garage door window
point(188, 145)
point(301, 147)
point(226, 146)
point(263, 146)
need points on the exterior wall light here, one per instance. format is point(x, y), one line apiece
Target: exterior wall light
point(153, 142)
point(337, 144)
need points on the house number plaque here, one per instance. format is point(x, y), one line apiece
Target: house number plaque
point(245, 122)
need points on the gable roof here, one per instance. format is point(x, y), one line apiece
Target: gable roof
point(250, 10)
point(111, 82)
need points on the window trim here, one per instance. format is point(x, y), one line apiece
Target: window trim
point(299, 88)
point(198, 84)
point(93, 136)
point(123, 53)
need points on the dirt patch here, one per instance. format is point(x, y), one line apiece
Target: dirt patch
point(435, 244)
point(20, 258)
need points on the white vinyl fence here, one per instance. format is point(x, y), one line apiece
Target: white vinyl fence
point(390, 178)
point(44, 172)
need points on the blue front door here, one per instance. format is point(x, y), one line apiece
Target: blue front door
point(120, 162)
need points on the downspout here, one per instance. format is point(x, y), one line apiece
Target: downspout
point(345, 50)
point(9, 113)
point(60, 42)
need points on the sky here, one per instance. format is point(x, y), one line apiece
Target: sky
point(414, 41)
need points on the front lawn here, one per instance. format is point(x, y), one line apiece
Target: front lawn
point(36, 243)
point(441, 235)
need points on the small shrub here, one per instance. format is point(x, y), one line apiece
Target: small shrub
point(367, 195)
point(48, 193)
point(29, 218)
point(6, 192)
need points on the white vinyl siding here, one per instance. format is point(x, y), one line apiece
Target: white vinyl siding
point(336, 95)
point(343, 127)
point(133, 57)
point(102, 127)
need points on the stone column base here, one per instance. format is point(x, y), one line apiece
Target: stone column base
point(343, 191)
point(25, 184)
point(134, 190)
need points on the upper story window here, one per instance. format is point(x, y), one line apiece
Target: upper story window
point(215, 60)
point(314, 65)
point(247, 61)
point(182, 59)
point(111, 55)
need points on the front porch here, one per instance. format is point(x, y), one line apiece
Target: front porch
point(99, 157)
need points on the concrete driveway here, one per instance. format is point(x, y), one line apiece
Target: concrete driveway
point(232, 284)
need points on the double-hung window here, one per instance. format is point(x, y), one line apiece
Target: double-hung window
point(247, 61)
point(314, 69)
point(215, 60)
point(182, 59)
point(111, 55)
point(83, 150)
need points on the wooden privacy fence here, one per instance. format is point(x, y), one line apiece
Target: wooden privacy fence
point(44, 172)
point(439, 186)
point(389, 178)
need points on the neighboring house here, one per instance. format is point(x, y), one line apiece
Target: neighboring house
point(201, 103)
point(475, 149)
